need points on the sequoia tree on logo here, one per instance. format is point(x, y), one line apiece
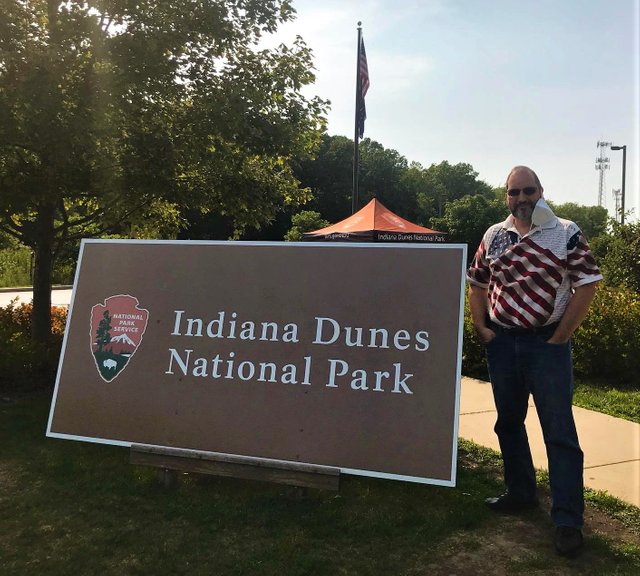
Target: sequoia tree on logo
point(117, 327)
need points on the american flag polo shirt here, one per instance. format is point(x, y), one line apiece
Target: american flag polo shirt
point(530, 278)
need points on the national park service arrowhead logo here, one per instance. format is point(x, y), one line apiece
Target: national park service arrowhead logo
point(117, 327)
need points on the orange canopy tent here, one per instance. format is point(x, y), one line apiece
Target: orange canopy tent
point(375, 223)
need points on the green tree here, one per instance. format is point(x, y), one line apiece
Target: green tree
point(382, 176)
point(418, 186)
point(593, 220)
point(447, 182)
point(329, 177)
point(116, 114)
point(412, 191)
point(618, 255)
point(305, 221)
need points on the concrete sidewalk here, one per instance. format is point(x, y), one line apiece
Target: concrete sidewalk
point(611, 446)
point(60, 296)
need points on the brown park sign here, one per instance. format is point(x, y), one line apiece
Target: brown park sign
point(339, 355)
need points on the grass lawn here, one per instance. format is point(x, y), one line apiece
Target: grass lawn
point(75, 508)
point(618, 402)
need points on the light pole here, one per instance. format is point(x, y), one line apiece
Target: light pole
point(624, 172)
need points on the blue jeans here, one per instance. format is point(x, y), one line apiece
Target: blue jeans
point(525, 364)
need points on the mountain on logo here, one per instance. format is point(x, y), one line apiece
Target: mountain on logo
point(124, 339)
point(121, 344)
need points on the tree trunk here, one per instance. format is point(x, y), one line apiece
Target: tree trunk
point(42, 276)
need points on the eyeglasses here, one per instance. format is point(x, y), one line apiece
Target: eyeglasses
point(529, 191)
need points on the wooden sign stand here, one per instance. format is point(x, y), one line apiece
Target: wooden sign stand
point(172, 460)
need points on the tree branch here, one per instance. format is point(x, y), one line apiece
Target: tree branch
point(101, 230)
point(21, 146)
point(67, 224)
point(13, 229)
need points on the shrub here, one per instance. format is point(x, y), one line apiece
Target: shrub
point(618, 255)
point(16, 263)
point(607, 344)
point(15, 267)
point(305, 221)
point(473, 355)
point(25, 365)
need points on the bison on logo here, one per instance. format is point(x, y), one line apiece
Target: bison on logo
point(117, 327)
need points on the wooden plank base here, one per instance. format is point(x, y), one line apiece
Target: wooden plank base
point(290, 473)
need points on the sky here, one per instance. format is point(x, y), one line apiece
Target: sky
point(492, 83)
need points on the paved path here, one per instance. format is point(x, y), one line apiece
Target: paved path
point(60, 296)
point(611, 445)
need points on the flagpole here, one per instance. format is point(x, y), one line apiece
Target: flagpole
point(356, 135)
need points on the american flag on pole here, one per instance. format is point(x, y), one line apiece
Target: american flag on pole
point(363, 82)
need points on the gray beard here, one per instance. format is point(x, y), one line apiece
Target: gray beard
point(523, 212)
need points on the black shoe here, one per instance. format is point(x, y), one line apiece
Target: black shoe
point(568, 541)
point(511, 504)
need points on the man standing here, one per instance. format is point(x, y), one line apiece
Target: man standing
point(531, 284)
